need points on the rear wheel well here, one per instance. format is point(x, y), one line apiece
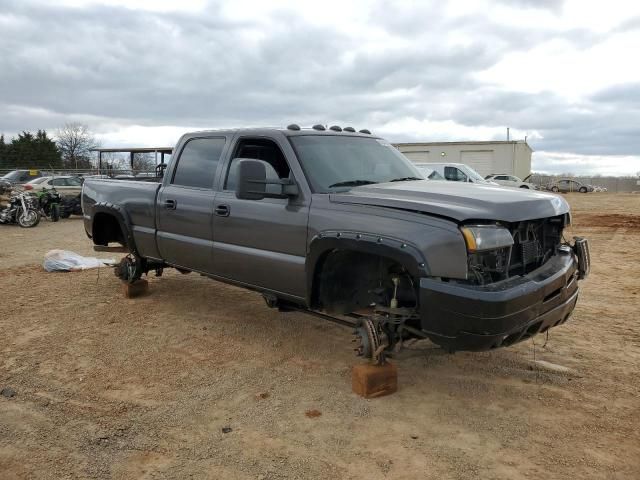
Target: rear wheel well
point(345, 281)
point(106, 229)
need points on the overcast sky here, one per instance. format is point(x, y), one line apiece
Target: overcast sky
point(142, 72)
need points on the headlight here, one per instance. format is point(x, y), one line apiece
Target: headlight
point(486, 237)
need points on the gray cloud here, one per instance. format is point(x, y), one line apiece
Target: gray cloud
point(554, 5)
point(113, 67)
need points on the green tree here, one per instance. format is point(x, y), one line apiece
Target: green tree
point(46, 152)
point(4, 163)
point(32, 151)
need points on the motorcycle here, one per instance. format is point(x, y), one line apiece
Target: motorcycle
point(23, 209)
point(71, 206)
point(49, 201)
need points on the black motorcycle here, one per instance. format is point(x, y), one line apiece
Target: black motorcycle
point(23, 209)
point(50, 203)
point(71, 206)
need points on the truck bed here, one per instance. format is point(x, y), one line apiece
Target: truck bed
point(136, 198)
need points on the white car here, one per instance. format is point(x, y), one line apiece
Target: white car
point(67, 186)
point(510, 181)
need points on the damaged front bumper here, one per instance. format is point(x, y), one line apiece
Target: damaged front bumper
point(482, 317)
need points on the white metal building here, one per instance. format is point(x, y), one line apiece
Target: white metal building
point(510, 157)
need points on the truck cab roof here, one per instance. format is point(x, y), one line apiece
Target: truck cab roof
point(288, 131)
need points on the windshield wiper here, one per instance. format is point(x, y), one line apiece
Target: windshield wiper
point(352, 183)
point(405, 179)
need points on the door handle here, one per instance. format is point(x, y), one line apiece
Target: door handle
point(170, 204)
point(222, 210)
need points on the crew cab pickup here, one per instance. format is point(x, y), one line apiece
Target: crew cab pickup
point(340, 224)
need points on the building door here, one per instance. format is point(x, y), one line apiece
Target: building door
point(480, 160)
point(418, 157)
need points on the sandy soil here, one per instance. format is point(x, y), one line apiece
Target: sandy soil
point(112, 388)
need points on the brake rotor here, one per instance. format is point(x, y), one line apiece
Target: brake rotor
point(368, 339)
point(129, 269)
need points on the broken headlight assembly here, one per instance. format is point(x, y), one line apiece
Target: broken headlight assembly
point(489, 252)
point(480, 238)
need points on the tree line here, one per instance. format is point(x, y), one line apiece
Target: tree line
point(70, 148)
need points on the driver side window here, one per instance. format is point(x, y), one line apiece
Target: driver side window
point(258, 149)
point(454, 174)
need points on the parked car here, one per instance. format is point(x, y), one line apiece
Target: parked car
point(65, 185)
point(567, 185)
point(510, 181)
point(459, 172)
point(341, 225)
point(428, 172)
point(19, 177)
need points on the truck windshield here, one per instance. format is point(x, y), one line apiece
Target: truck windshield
point(334, 163)
point(474, 175)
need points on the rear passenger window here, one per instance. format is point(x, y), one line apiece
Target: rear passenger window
point(198, 162)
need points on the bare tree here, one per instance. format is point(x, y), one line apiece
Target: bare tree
point(75, 143)
point(143, 162)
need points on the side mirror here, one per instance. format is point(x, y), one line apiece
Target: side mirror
point(252, 182)
point(252, 178)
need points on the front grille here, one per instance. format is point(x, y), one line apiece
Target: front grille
point(529, 251)
point(534, 242)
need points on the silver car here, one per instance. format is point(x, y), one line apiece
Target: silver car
point(67, 185)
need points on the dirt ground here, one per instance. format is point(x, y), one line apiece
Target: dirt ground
point(112, 388)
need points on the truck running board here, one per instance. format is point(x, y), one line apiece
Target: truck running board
point(103, 248)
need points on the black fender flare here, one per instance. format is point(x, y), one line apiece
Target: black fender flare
point(405, 253)
point(122, 217)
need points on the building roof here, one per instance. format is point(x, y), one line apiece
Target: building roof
point(484, 142)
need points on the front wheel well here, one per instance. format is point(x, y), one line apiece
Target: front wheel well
point(346, 281)
point(107, 229)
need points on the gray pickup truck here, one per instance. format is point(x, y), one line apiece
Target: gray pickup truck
point(340, 224)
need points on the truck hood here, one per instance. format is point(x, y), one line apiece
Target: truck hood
point(458, 201)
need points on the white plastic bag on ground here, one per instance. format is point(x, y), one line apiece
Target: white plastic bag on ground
point(66, 261)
